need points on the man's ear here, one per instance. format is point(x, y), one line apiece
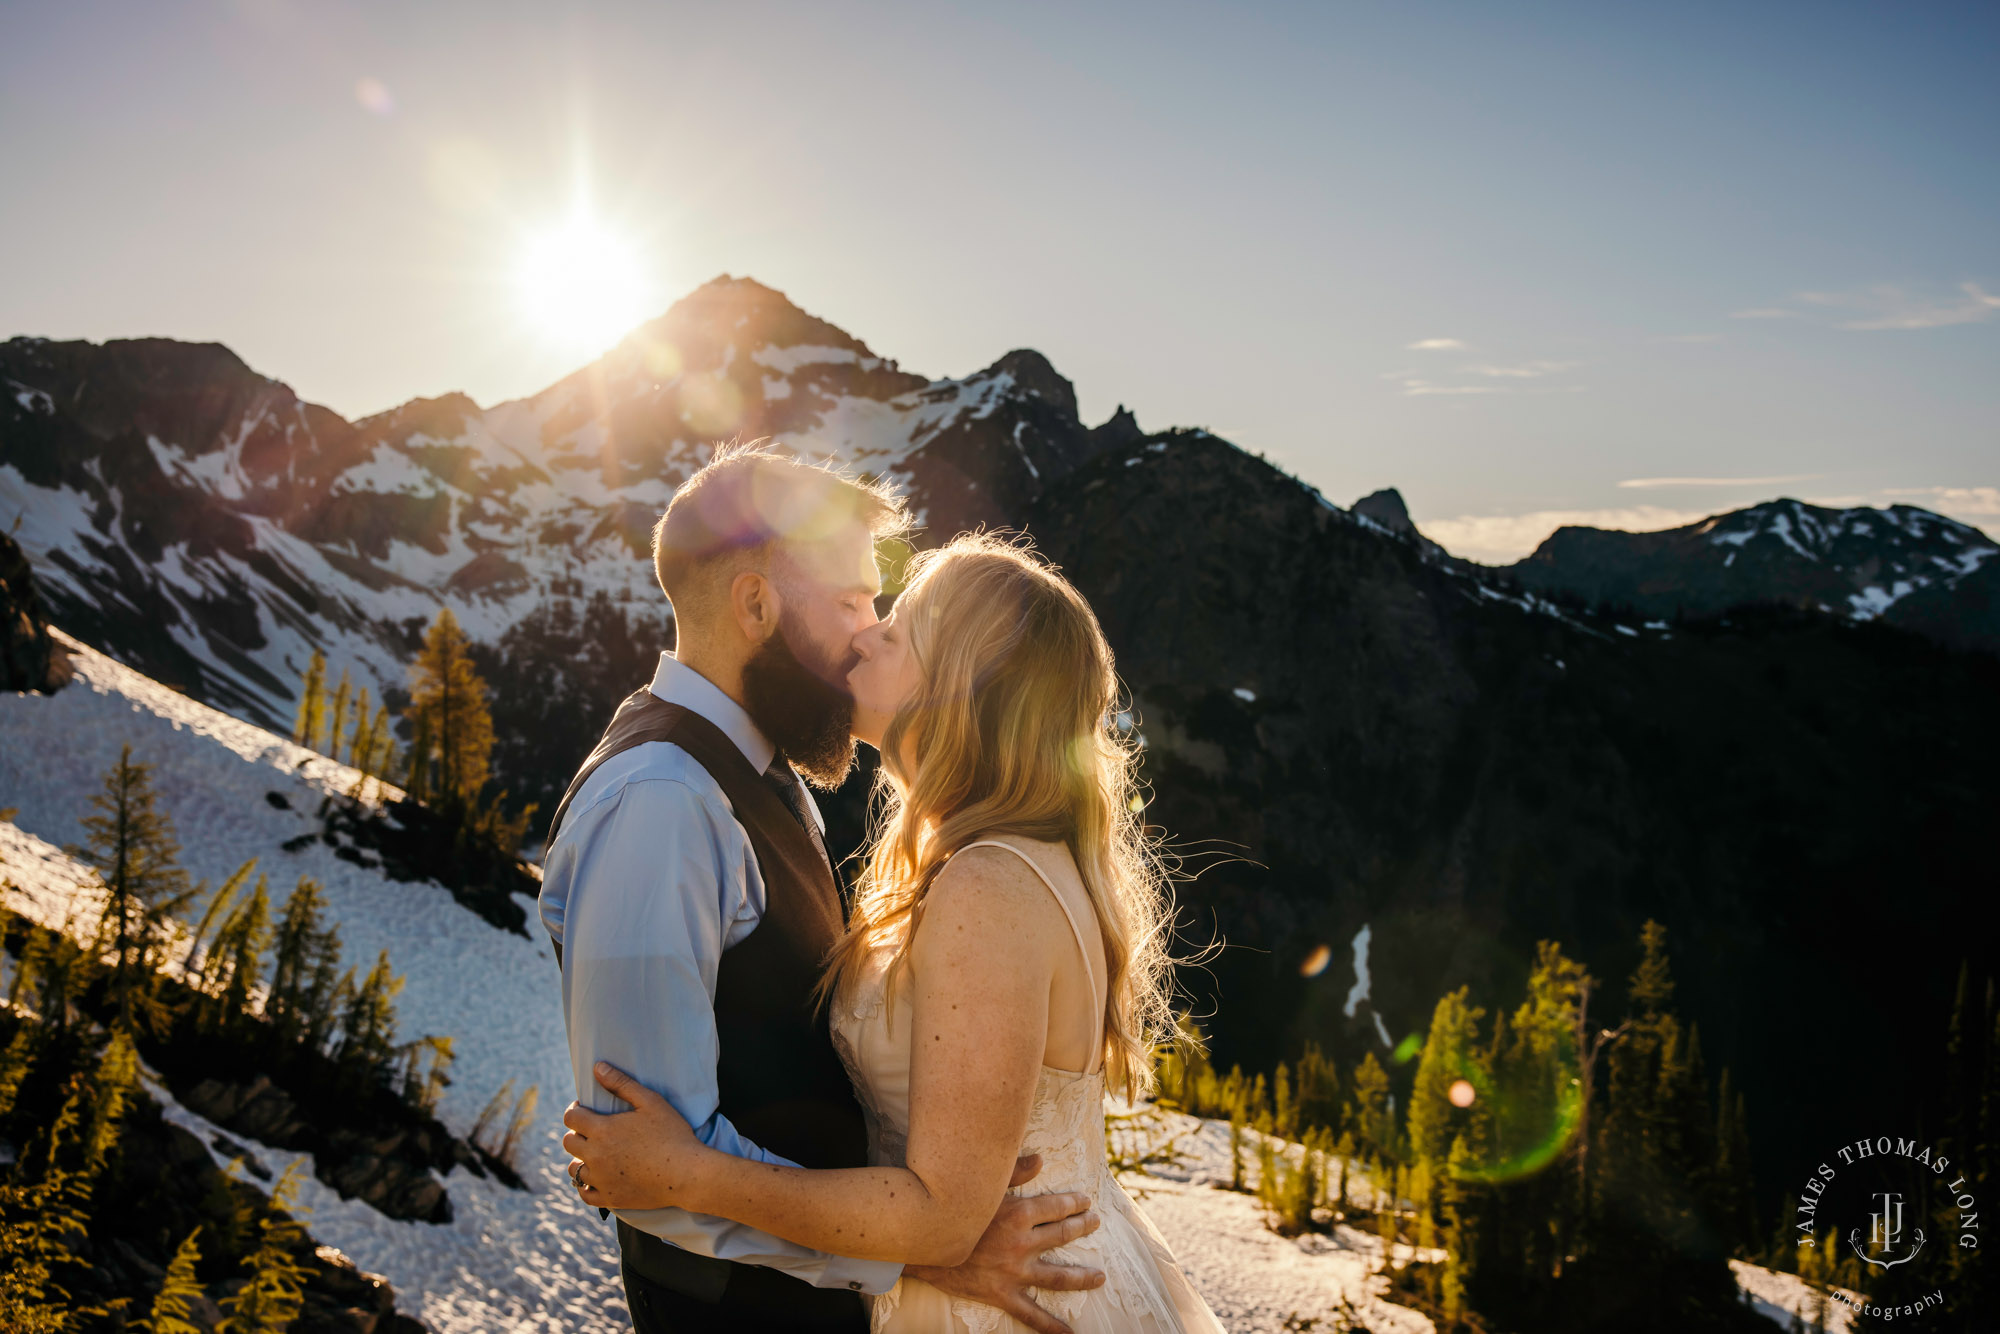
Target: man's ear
point(755, 604)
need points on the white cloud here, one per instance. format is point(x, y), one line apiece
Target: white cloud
point(1976, 505)
point(1435, 345)
point(1649, 482)
point(1533, 370)
point(1500, 539)
point(1763, 313)
point(1419, 388)
point(1890, 306)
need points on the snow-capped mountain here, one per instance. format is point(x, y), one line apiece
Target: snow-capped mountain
point(1902, 564)
point(1353, 727)
point(199, 520)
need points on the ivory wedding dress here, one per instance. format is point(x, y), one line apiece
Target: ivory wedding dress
point(1144, 1291)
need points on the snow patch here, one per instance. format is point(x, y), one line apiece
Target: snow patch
point(34, 400)
point(1359, 991)
point(785, 360)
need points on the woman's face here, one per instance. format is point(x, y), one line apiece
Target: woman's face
point(885, 678)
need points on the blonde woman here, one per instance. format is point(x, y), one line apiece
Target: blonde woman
point(1005, 956)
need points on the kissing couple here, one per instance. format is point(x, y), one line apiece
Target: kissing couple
point(811, 1113)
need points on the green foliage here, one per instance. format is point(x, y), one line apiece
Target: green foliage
point(235, 963)
point(130, 844)
point(450, 713)
point(271, 1300)
point(305, 963)
point(172, 1311)
point(501, 1139)
point(311, 718)
point(218, 903)
point(45, 1202)
point(423, 1066)
point(368, 1026)
point(1448, 1057)
point(1368, 1113)
point(337, 720)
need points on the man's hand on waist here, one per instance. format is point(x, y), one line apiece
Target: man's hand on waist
point(1009, 1258)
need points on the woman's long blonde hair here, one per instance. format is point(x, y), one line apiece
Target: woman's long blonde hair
point(1013, 731)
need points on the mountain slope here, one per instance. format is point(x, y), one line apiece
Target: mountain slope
point(1385, 741)
point(200, 521)
point(1902, 564)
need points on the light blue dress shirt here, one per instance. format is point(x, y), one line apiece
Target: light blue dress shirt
point(648, 881)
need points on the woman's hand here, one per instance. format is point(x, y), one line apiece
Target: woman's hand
point(647, 1158)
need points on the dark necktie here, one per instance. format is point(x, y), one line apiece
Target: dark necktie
point(793, 794)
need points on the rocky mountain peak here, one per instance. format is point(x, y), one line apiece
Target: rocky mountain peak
point(1032, 371)
point(1386, 507)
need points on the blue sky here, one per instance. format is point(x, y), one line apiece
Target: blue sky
point(1512, 258)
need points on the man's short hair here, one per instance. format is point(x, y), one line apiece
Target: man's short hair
point(748, 499)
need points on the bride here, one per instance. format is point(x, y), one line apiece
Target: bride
point(1005, 956)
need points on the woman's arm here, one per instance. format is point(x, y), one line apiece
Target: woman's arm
point(981, 967)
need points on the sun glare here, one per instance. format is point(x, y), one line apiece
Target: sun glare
point(582, 285)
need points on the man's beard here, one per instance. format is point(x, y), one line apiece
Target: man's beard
point(808, 716)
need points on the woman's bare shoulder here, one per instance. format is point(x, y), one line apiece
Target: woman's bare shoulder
point(993, 888)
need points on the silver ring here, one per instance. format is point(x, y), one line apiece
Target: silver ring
point(576, 1173)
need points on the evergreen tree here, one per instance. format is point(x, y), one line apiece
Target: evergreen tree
point(16, 1059)
point(448, 703)
point(417, 783)
point(236, 961)
point(522, 1117)
point(1448, 1056)
point(311, 719)
point(382, 753)
point(368, 1026)
point(1319, 1089)
point(1284, 1111)
point(1734, 1191)
point(271, 1300)
point(337, 720)
point(425, 1062)
point(1368, 1108)
point(1461, 1230)
point(45, 1202)
point(110, 1087)
point(172, 1311)
point(217, 904)
point(132, 848)
point(305, 963)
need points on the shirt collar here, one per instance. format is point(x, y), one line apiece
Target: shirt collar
point(678, 683)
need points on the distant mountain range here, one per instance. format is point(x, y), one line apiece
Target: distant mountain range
point(1903, 565)
point(1464, 760)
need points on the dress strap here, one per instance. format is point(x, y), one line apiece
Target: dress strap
point(1076, 929)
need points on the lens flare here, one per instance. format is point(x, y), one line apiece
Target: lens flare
point(1532, 1106)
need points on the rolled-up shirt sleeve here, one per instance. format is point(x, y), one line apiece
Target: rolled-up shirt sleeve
point(658, 883)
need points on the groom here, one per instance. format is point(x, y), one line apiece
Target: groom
point(689, 893)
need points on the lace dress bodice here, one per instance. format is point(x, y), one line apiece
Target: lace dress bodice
point(1144, 1289)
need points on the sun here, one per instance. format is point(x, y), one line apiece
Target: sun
point(582, 284)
